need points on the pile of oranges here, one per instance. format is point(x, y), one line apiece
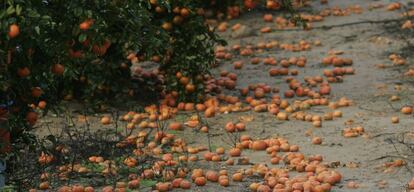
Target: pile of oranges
point(172, 153)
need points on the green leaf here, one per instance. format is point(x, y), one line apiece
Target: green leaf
point(8, 188)
point(2, 13)
point(82, 37)
point(10, 10)
point(168, 6)
point(89, 13)
point(148, 183)
point(33, 14)
point(78, 12)
point(18, 10)
point(37, 29)
point(46, 17)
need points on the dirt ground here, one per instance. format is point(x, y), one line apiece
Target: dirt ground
point(370, 88)
point(368, 44)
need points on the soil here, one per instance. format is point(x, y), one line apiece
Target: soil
point(370, 88)
point(368, 44)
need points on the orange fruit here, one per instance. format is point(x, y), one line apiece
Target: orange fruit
point(238, 64)
point(259, 145)
point(58, 69)
point(222, 27)
point(254, 186)
point(108, 189)
point(263, 188)
point(105, 120)
point(63, 189)
point(23, 72)
point(407, 110)
point(75, 54)
point(42, 104)
point(224, 182)
point(317, 140)
point(200, 107)
point(235, 152)
point(184, 12)
point(249, 4)
point(395, 119)
point(14, 31)
point(230, 127)
point(230, 162)
point(259, 93)
point(208, 156)
point(89, 189)
point(189, 106)
point(178, 20)
point(159, 9)
point(190, 88)
point(270, 4)
point(200, 181)
point(44, 185)
point(176, 182)
point(37, 92)
point(220, 150)
point(268, 17)
point(78, 188)
point(185, 184)
point(184, 80)
point(133, 184)
point(196, 173)
point(210, 112)
point(166, 26)
point(212, 176)
point(175, 126)
point(237, 177)
point(176, 10)
point(85, 25)
point(204, 129)
point(99, 50)
point(266, 30)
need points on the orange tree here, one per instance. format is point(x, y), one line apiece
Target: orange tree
point(55, 49)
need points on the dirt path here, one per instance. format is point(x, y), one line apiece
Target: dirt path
point(370, 88)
